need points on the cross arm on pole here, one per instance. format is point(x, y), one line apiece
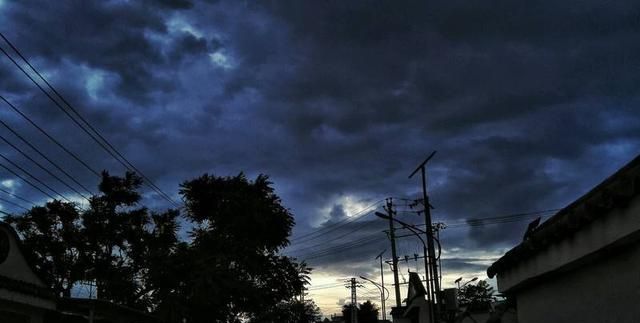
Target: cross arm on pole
point(422, 164)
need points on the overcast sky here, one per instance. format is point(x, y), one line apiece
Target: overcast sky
point(528, 105)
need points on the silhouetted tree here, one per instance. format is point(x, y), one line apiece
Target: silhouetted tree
point(367, 312)
point(154, 257)
point(229, 271)
point(51, 235)
point(236, 273)
point(476, 297)
point(114, 226)
point(115, 243)
point(293, 311)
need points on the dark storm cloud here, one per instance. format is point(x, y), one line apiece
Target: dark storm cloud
point(122, 38)
point(529, 105)
point(462, 264)
point(175, 4)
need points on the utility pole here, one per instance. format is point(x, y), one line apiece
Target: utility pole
point(382, 299)
point(392, 237)
point(353, 285)
point(433, 268)
point(354, 301)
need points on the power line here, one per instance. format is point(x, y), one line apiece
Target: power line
point(73, 155)
point(13, 203)
point(334, 226)
point(335, 238)
point(313, 288)
point(104, 143)
point(24, 179)
point(41, 167)
point(340, 246)
point(373, 237)
point(473, 221)
point(489, 220)
point(338, 249)
point(47, 159)
point(33, 177)
point(16, 196)
point(338, 237)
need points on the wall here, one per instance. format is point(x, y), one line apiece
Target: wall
point(601, 292)
point(604, 231)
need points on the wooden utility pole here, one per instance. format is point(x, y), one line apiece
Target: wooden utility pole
point(392, 237)
point(433, 265)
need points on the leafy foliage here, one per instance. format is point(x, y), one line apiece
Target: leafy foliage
point(292, 311)
point(240, 225)
point(367, 312)
point(227, 271)
point(120, 247)
point(54, 236)
point(476, 297)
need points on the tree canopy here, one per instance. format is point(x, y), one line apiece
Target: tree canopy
point(476, 297)
point(367, 312)
point(221, 266)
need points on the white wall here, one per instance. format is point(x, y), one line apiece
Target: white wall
point(602, 232)
point(608, 291)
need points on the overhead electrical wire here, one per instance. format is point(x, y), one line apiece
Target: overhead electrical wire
point(41, 154)
point(46, 170)
point(24, 179)
point(50, 137)
point(84, 125)
point(335, 238)
point(33, 177)
point(497, 219)
point(373, 237)
point(337, 248)
point(13, 203)
point(16, 196)
point(340, 248)
point(334, 226)
point(315, 288)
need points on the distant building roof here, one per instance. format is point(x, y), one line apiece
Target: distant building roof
point(416, 289)
point(17, 273)
point(614, 192)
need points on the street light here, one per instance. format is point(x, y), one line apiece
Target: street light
point(382, 295)
point(457, 282)
point(416, 232)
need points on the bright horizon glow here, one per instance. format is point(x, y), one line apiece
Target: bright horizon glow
point(330, 298)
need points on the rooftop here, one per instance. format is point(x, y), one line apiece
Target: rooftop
point(614, 192)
